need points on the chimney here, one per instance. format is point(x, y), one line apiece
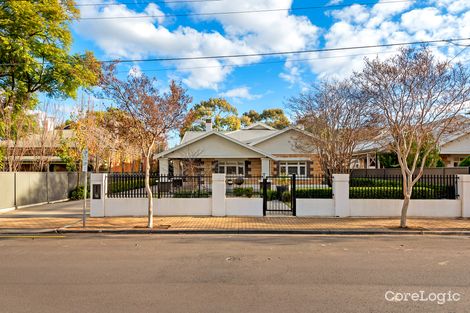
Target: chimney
point(208, 125)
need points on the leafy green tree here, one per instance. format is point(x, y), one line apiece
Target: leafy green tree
point(272, 117)
point(35, 42)
point(220, 111)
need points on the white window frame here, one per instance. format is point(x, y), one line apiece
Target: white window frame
point(238, 165)
point(284, 168)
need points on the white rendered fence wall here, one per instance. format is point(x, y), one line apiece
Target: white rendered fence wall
point(339, 206)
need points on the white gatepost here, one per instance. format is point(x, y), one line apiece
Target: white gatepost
point(218, 195)
point(99, 189)
point(341, 195)
point(265, 166)
point(163, 166)
point(464, 194)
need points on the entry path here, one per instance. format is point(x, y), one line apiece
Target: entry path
point(67, 216)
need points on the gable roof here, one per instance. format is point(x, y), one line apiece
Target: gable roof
point(215, 133)
point(280, 132)
point(259, 126)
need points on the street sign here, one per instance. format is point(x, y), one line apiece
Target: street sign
point(84, 170)
point(85, 160)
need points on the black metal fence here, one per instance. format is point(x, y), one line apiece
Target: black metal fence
point(280, 193)
point(132, 185)
point(239, 186)
point(314, 187)
point(391, 187)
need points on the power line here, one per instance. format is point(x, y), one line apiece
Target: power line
point(228, 56)
point(288, 52)
point(261, 63)
point(241, 12)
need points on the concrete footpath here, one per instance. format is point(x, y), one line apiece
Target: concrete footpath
point(66, 218)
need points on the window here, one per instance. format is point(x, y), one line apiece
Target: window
point(232, 167)
point(289, 168)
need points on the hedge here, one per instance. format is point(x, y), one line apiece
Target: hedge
point(395, 193)
point(77, 193)
point(369, 182)
point(243, 192)
point(314, 193)
point(191, 194)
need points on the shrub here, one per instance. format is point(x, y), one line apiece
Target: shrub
point(465, 162)
point(77, 193)
point(243, 192)
point(286, 196)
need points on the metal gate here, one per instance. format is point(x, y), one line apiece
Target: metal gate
point(279, 195)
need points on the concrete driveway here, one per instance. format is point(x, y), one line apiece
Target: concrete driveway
point(59, 209)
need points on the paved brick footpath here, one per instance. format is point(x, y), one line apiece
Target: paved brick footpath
point(231, 223)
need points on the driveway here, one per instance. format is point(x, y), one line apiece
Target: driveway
point(44, 217)
point(59, 209)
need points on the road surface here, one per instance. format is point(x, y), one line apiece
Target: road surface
point(233, 273)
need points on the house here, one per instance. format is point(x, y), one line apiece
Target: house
point(453, 148)
point(252, 151)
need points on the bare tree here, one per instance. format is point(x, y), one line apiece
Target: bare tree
point(191, 162)
point(45, 139)
point(149, 115)
point(15, 134)
point(419, 99)
point(336, 119)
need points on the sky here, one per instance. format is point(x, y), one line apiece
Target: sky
point(144, 29)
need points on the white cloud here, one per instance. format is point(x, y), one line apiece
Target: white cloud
point(389, 23)
point(243, 34)
point(240, 93)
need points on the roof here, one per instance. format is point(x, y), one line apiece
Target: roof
point(247, 137)
point(51, 139)
point(205, 134)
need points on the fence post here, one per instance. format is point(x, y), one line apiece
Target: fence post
point(99, 189)
point(218, 195)
point(265, 195)
point(341, 195)
point(293, 196)
point(464, 194)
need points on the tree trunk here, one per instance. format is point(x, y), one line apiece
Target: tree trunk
point(149, 191)
point(404, 211)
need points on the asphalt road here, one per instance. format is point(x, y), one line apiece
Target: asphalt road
point(238, 273)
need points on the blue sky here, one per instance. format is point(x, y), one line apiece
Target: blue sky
point(259, 83)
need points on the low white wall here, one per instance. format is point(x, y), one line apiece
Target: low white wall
point(162, 207)
point(392, 208)
point(183, 206)
point(315, 207)
point(125, 207)
point(244, 206)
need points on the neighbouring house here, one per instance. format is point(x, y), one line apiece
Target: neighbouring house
point(252, 151)
point(40, 152)
point(453, 148)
